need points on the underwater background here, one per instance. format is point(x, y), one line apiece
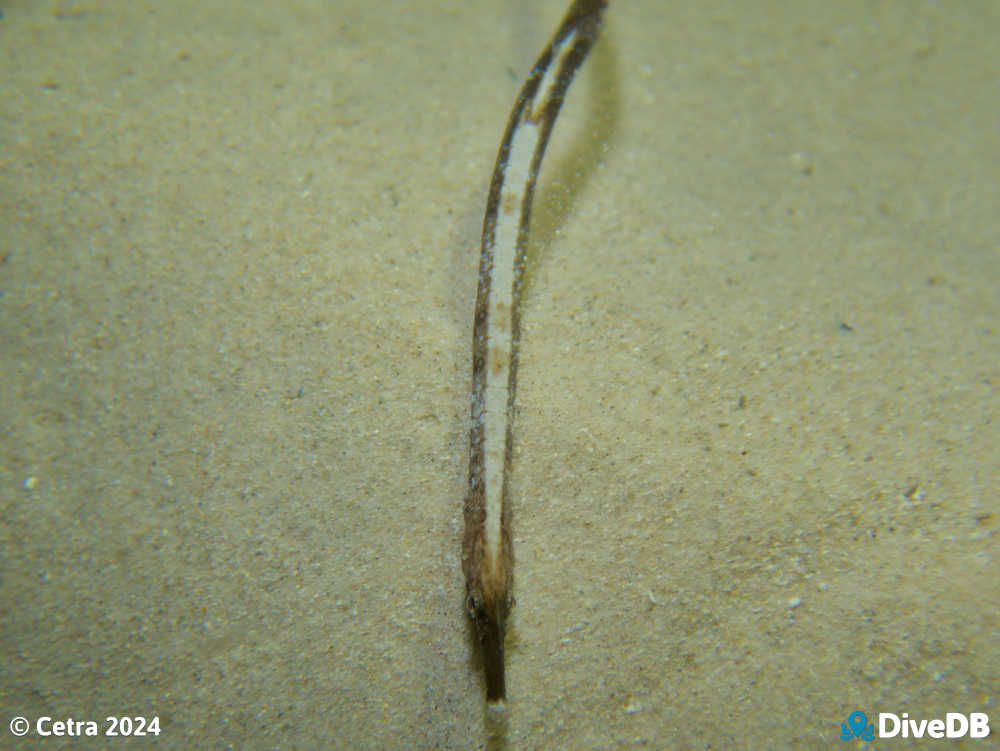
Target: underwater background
point(755, 485)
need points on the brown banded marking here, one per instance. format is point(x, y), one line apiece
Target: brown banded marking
point(487, 550)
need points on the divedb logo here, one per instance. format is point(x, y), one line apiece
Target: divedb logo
point(954, 725)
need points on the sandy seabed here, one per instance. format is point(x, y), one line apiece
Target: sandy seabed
point(757, 447)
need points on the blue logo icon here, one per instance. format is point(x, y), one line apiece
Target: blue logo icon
point(859, 727)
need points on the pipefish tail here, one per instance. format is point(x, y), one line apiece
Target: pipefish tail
point(487, 550)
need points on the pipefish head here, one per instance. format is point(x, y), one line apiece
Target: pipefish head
point(489, 615)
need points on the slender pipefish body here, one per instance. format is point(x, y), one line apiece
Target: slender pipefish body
point(487, 550)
